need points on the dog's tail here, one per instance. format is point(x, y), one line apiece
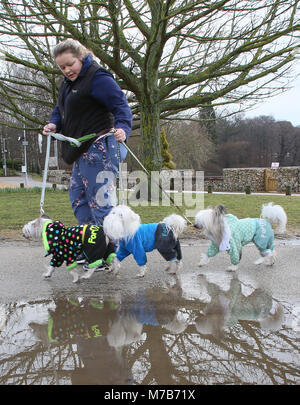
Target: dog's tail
point(176, 223)
point(275, 214)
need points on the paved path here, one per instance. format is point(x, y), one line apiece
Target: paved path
point(23, 263)
point(15, 181)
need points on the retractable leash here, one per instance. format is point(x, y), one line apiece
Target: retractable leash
point(148, 173)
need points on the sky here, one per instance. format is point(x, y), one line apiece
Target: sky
point(285, 107)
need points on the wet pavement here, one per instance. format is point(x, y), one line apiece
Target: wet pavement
point(205, 326)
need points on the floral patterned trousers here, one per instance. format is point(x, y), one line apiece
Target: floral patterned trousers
point(92, 186)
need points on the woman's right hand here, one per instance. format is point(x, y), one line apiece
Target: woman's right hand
point(49, 128)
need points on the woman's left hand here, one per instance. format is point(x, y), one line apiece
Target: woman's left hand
point(120, 135)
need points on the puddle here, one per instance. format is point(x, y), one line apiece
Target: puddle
point(230, 334)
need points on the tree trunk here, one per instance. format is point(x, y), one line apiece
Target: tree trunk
point(150, 136)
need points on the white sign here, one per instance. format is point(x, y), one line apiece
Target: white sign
point(24, 169)
point(53, 161)
point(275, 165)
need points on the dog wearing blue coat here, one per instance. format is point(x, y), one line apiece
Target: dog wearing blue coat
point(123, 226)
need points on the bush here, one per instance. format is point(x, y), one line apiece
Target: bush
point(13, 164)
point(9, 172)
point(288, 190)
point(248, 190)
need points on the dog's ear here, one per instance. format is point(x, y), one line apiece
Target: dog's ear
point(44, 216)
point(221, 210)
point(37, 223)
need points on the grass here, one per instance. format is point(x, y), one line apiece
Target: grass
point(18, 206)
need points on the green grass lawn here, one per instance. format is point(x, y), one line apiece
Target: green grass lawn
point(18, 206)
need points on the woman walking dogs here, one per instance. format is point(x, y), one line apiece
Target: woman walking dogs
point(89, 101)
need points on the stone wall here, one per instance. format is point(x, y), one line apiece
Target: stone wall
point(288, 176)
point(233, 180)
point(59, 176)
point(238, 179)
point(216, 183)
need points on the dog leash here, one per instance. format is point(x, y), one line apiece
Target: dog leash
point(78, 142)
point(148, 173)
point(45, 175)
point(121, 186)
point(74, 142)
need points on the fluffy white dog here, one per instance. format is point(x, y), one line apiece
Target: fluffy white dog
point(66, 244)
point(230, 234)
point(124, 226)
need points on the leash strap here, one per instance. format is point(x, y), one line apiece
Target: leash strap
point(45, 175)
point(147, 172)
point(121, 186)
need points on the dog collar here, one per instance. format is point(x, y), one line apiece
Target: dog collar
point(44, 236)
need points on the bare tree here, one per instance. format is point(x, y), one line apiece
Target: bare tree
point(173, 57)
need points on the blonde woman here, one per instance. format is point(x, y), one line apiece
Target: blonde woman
point(89, 101)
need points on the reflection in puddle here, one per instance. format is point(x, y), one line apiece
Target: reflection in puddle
point(158, 336)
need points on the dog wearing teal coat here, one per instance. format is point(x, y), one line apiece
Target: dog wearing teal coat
point(228, 233)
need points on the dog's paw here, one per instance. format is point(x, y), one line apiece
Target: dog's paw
point(49, 272)
point(174, 267)
point(270, 260)
point(114, 268)
point(179, 265)
point(75, 276)
point(204, 260)
point(142, 271)
point(233, 267)
point(259, 261)
point(167, 268)
point(88, 274)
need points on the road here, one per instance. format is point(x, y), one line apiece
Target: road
point(15, 181)
point(23, 263)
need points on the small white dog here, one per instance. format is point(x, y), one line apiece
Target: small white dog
point(66, 244)
point(124, 226)
point(228, 233)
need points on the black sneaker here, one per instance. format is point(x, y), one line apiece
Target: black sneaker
point(101, 267)
point(81, 259)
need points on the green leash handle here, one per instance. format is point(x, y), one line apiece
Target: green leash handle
point(78, 142)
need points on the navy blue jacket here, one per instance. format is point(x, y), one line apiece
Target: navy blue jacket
point(105, 91)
